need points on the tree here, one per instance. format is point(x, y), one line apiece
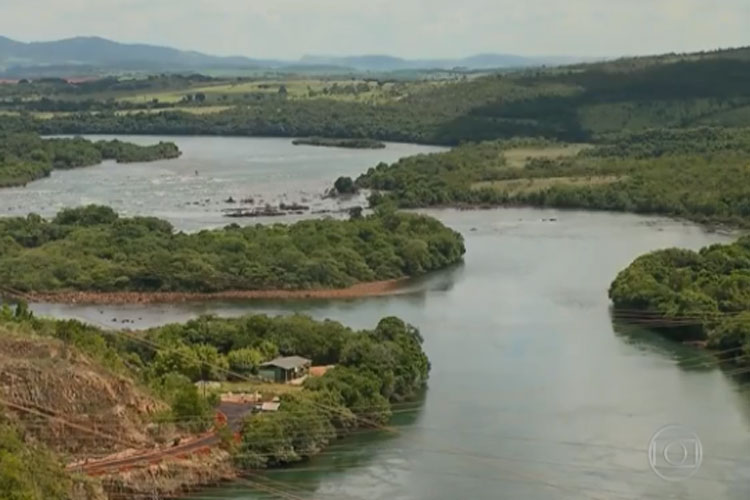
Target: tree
point(244, 361)
point(191, 410)
point(355, 212)
point(211, 364)
point(27, 471)
point(731, 332)
point(345, 185)
point(180, 359)
point(23, 312)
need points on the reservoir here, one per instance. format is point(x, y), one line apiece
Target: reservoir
point(535, 392)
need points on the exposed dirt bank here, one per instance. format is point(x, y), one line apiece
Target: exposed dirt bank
point(172, 478)
point(70, 403)
point(370, 289)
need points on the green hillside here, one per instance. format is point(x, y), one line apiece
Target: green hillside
point(571, 103)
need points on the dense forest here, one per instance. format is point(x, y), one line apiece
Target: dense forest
point(699, 174)
point(92, 249)
point(27, 157)
point(690, 295)
point(575, 103)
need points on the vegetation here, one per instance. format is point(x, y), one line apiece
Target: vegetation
point(576, 103)
point(28, 471)
point(27, 157)
point(340, 143)
point(700, 174)
point(373, 368)
point(92, 249)
point(690, 295)
point(344, 185)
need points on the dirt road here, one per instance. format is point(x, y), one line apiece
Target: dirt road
point(235, 413)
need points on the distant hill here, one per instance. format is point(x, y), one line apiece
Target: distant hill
point(94, 52)
point(479, 61)
point(92, 55)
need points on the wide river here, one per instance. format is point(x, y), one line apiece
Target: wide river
point(534, 392)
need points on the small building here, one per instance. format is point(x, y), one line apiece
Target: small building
point(283, 370)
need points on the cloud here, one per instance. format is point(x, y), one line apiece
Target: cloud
point(411, 28)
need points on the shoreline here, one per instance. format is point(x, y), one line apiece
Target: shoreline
point(359, 290)
point(718, 226)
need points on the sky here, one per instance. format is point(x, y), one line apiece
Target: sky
point(408, 28)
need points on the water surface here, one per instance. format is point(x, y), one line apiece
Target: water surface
point(191, 191)
point(534, 393)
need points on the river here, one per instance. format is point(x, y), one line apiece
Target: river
point(192, 190)
point(534, 392)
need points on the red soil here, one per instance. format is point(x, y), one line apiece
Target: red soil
point(370, 289)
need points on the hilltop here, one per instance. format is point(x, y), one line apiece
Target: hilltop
point(90, 55)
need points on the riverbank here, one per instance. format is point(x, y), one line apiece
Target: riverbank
point(172, 478)
point(340, 143)
point(370, 289)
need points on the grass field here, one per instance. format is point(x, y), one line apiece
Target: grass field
point(519, 157)
point(346, 90)
point(42, 115)
point(526, 186)
point(196, 110)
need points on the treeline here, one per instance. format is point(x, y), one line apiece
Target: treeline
point(92, 249)
point(112, 84)
point(52, 105)
point(267, 117)
point(699, 174)
point(690, 295)
point(372, 369)
point(27, 157)
point(664, 142)
point(339, 143)
point(579, 103)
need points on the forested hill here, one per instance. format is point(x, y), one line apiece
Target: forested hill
point(92, 249)
point(574, 103)
point(27, 157)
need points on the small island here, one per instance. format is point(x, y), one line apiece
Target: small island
point(339, 143)
point(92, 255)
point(28, 157)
